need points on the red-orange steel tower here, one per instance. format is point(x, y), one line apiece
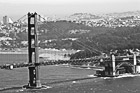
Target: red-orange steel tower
point(33, 53)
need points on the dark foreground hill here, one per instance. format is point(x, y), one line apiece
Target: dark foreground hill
point(70, 35)
point(101, 38)
point(67, 29)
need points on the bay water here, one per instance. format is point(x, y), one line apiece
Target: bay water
point(63, 79)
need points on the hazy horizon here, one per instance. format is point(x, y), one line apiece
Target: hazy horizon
point(61, 8)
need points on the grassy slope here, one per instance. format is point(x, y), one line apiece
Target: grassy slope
point(101, 38)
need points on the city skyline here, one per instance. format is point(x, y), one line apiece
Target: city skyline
point(61, 8)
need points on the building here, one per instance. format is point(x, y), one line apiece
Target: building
point(5, 20)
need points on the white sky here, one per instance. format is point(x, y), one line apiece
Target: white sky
point(66, 7)
point(46, 1)
point(63, 1)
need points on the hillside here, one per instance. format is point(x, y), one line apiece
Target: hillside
point(67, 29)
point(101, 38)
point(71, 35)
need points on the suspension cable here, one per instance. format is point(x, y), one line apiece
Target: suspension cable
point(83, 45)
point(20, 18)
point(95, 50)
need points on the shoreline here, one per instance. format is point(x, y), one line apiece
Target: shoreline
point(13, 52)
point(25, 51)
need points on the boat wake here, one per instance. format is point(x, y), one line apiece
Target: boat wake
point(10, 89)
point(122, 76)
point(127, 75)
point(20, 89)
point(91, 76)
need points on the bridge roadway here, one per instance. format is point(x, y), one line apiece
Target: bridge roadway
point(74, 61)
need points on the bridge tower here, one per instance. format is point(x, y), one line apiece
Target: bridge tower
point(113, 65)
point(33, 53)
point(135, 62)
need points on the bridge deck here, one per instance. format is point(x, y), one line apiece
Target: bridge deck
point(58, 62)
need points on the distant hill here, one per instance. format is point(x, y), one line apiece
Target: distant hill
point(124, 14)
point(84, 16)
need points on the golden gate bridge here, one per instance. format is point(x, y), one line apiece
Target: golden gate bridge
point(112, 65)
